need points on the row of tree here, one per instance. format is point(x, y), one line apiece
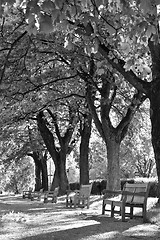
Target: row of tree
point(94, 60)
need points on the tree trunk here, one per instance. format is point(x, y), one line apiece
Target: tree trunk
point(38, 183)
point(155, 132)
point(60, 177)
point(113, 168)
point(59, 157)
point(44, 174)
point(55, 181)
point(38, 168)
point(84, 149)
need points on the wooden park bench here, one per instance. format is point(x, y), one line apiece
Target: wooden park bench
point(133, 196)
point(36, 195)
point(27, 193)
point(80, 197)
point(51, 196)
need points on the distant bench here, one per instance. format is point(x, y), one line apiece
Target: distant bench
point(51, 196)
point(132, 195)
point(36, 195)
point(27, 194)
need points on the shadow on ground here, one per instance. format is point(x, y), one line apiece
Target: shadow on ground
point(38, 221)
point(102, 228)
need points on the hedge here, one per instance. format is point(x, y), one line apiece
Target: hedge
point(100, 185)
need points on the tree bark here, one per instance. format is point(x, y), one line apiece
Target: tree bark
point(38, 168)
point(85, 132)
point(58, 154)
point(60, 177)
point(113, 167)
point(154, 96)
point(44, 172)
point(155, 132)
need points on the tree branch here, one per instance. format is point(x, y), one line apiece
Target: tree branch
point(129, 76)
point(56, 127)
point(73, 119)
point(122, 128)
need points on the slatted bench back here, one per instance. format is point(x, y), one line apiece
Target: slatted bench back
point(142, 188)
point(85, 190)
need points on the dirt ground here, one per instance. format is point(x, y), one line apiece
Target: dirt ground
point(23, 219)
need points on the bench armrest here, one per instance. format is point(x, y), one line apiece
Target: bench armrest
point(107, 192)
point(112, 191)
point(139, 194)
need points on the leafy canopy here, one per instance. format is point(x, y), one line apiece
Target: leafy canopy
point(124, 24)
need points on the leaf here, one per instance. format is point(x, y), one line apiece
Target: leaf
point(73, 11)
point(59, 3)
point(146, 69)
point(110, 29)
point(55, 14)
point(17, 3)
point(87, 50)
point(9, 2)
point(46, 24)
point(33, 7)
point(125, 47)
point(6, 10)
point(48, 5)
point(100, 3)
point(100, 71)
point(1, 11)
point(146, 6)
point(84, 3)
point(129, 64)
point(94, 49)
point(68, 44)
point(142, 26)
point(150, 30)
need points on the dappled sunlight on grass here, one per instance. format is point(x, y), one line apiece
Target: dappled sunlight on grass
point(39, 209)
point(101, 236)
point(145, 230)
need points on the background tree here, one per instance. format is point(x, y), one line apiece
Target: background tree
point(85, 134)
point(17, 176)
point(137, 156)
point(97, 158)
point(104, 29)
point(61, 146)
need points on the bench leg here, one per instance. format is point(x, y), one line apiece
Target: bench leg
point(144, 214)
point(70, 202)
point(54, 199)
point(123, 212)
point(103, 208)
point(39, 198)
point(88, 203)
point(67, 202)
point(131, 212)
point(112, 209)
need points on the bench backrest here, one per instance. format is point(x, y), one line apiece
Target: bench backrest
point(53, 192)
point(85, 190)
point(56, 191)
point(142, 188)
